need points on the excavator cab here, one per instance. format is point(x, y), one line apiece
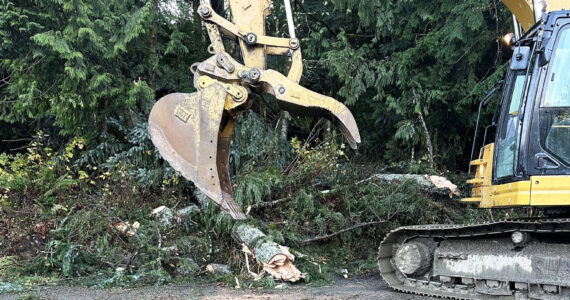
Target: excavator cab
point(529, 162)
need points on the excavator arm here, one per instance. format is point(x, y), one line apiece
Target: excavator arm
point(192, 131)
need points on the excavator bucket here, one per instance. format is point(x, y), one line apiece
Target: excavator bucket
point(192, 132)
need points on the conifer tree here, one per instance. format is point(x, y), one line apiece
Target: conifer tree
point(82, 62)
point(398, 62)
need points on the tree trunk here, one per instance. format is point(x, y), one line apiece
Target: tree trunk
point(275, 259)
point(424, 126)
point(153, 52)
point(428, 139)
point(431, 184)
point(284, 124)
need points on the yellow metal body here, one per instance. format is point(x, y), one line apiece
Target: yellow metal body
point(550, 191)
point(481, 191)
point(524, 9)
point(538, 191)
point(510, 194)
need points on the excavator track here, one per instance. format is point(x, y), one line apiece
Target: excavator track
point(456, 270)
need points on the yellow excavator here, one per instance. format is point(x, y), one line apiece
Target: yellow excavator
point(527, 165)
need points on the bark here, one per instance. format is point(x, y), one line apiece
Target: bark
point(284, 124)
point(275, 259)
point(218, 268)
point(104, 121)
point(328, 130)
point(430, 184)
point(426, 131)
point(428, 139)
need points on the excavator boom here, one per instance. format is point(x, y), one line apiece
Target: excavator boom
point(528, 12)
point(192, 131)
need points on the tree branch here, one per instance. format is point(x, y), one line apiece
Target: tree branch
point(269, 203)
point(328, 236)
point(300, 5)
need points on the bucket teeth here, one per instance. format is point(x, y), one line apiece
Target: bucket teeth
point(192, 132)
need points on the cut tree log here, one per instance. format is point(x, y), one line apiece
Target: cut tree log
point(275, 259)
point(432, 184)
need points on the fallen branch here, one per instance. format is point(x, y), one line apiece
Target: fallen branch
point(328, 236)
point(268, 203)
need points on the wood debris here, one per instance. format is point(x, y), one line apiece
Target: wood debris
point(125, 228)
point(218, 268)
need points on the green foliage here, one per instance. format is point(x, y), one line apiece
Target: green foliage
point(40, 173)
point(28, 297)
point(391, 60)
point(9, 268)
point(78, 64)
point(255, 143)
point(257, 187)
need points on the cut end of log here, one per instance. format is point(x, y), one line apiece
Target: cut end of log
point(218, 268)
point(444, 183)
point(281, 266)
point(275, 259)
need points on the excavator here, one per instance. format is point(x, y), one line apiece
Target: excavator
point(526, 166)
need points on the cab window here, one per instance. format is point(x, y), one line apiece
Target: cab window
point(555, 108)
point(507, 141)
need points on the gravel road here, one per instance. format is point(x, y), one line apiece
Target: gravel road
point(367, 288)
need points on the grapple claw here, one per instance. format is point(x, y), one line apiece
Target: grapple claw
point(192, 132)
point(302, 101)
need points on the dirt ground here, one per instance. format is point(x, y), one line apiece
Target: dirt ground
point(367, 288)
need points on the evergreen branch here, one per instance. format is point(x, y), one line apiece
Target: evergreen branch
point(268, 203)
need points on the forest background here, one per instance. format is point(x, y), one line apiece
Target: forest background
point(78, 79)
